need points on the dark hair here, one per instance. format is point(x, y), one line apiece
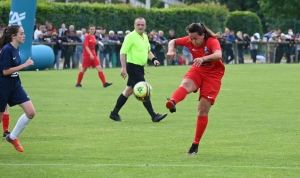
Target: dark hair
point(7, 33)
point(200, 29)
point(66, 33)
point(92, 25)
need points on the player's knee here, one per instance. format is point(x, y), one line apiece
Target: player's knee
point(30, 114)
point(127, 93)
point(203, 110)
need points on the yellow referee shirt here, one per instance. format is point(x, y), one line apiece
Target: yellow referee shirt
point(136, 48)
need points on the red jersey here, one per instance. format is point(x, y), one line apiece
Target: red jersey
point(210, 45)
point(89, 41)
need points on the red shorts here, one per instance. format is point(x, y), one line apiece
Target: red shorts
point(209, 83)
point(88, 62)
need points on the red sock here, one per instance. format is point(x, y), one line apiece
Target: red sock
point(102, 77)
point(200, 128)
point(179, 94)
point(80, 76)
point(5, 122)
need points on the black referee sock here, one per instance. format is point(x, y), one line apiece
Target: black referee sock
point(148, 106)
point(120, 103)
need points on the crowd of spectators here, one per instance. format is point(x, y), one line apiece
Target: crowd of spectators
point(280, 46)
point(109, 45)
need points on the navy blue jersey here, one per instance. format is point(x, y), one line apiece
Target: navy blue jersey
point(9, 57)
point(11, 91)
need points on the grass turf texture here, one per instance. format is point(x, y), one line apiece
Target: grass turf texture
point(253, 128)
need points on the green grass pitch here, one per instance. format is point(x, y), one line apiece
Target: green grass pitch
point(253, 128)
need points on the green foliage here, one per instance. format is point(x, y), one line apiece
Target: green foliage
point(244, 21)
point(238, 5)
point(284, 15)
point(121, 16)
point(275, 9)
point(4, 9)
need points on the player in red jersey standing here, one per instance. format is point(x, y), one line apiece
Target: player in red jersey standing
point(205, 74)
point(90, 58)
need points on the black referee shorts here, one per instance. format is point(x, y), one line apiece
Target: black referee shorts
point(135, 74)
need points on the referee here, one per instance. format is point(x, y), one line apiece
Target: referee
point(136, 50)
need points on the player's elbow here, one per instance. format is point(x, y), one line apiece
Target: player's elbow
point(218, 54)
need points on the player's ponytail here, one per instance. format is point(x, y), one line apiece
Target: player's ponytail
point(7, 34)
point(200, 28)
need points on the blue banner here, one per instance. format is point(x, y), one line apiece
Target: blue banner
point(23, 13)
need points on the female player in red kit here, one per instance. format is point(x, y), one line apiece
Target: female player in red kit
point(90, 58)
point(205, 74)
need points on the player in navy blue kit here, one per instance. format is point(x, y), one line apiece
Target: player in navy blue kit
point(11, 91)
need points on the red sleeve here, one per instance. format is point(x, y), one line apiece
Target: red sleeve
point(86, 41)
point(183, 41)
point(213, 44)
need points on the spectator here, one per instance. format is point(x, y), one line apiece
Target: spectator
point(98, 38)
point(187, 55)
point(101, 46)
point(37, 31)
point(74, 39)
point(62, 30)
point(120, 38)
point(297, 39)
point(43, 29)
point(222, 41)
point(83, 31)
point(271, 47)
point(227, 31)
point(290, 33)
point(114, 40)
point(78, 50)
point(57, 49)
point(152, 42)
point(127, 32)
point(229, 47)
point(171, 35)
point(51, 27)
point(160, 48)
point(102, 32)
point(254, 47)
point(71, 28)
point(40, 38)
point(2, 26)
point(280, 48)
point(47, 24)
point(278, 32)
point(268, 35)
point(105, 51)
point(240, 47)
point(290, 49)
point(47, 36)
point(66, 53)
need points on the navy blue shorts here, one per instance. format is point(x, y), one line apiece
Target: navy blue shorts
point(135, 74)
point(11, 92)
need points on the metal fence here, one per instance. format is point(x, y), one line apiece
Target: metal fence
point(263, 50)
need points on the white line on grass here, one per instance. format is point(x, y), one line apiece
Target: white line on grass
point(155, 165)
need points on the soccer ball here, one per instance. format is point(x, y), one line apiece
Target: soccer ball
point(142, 91)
